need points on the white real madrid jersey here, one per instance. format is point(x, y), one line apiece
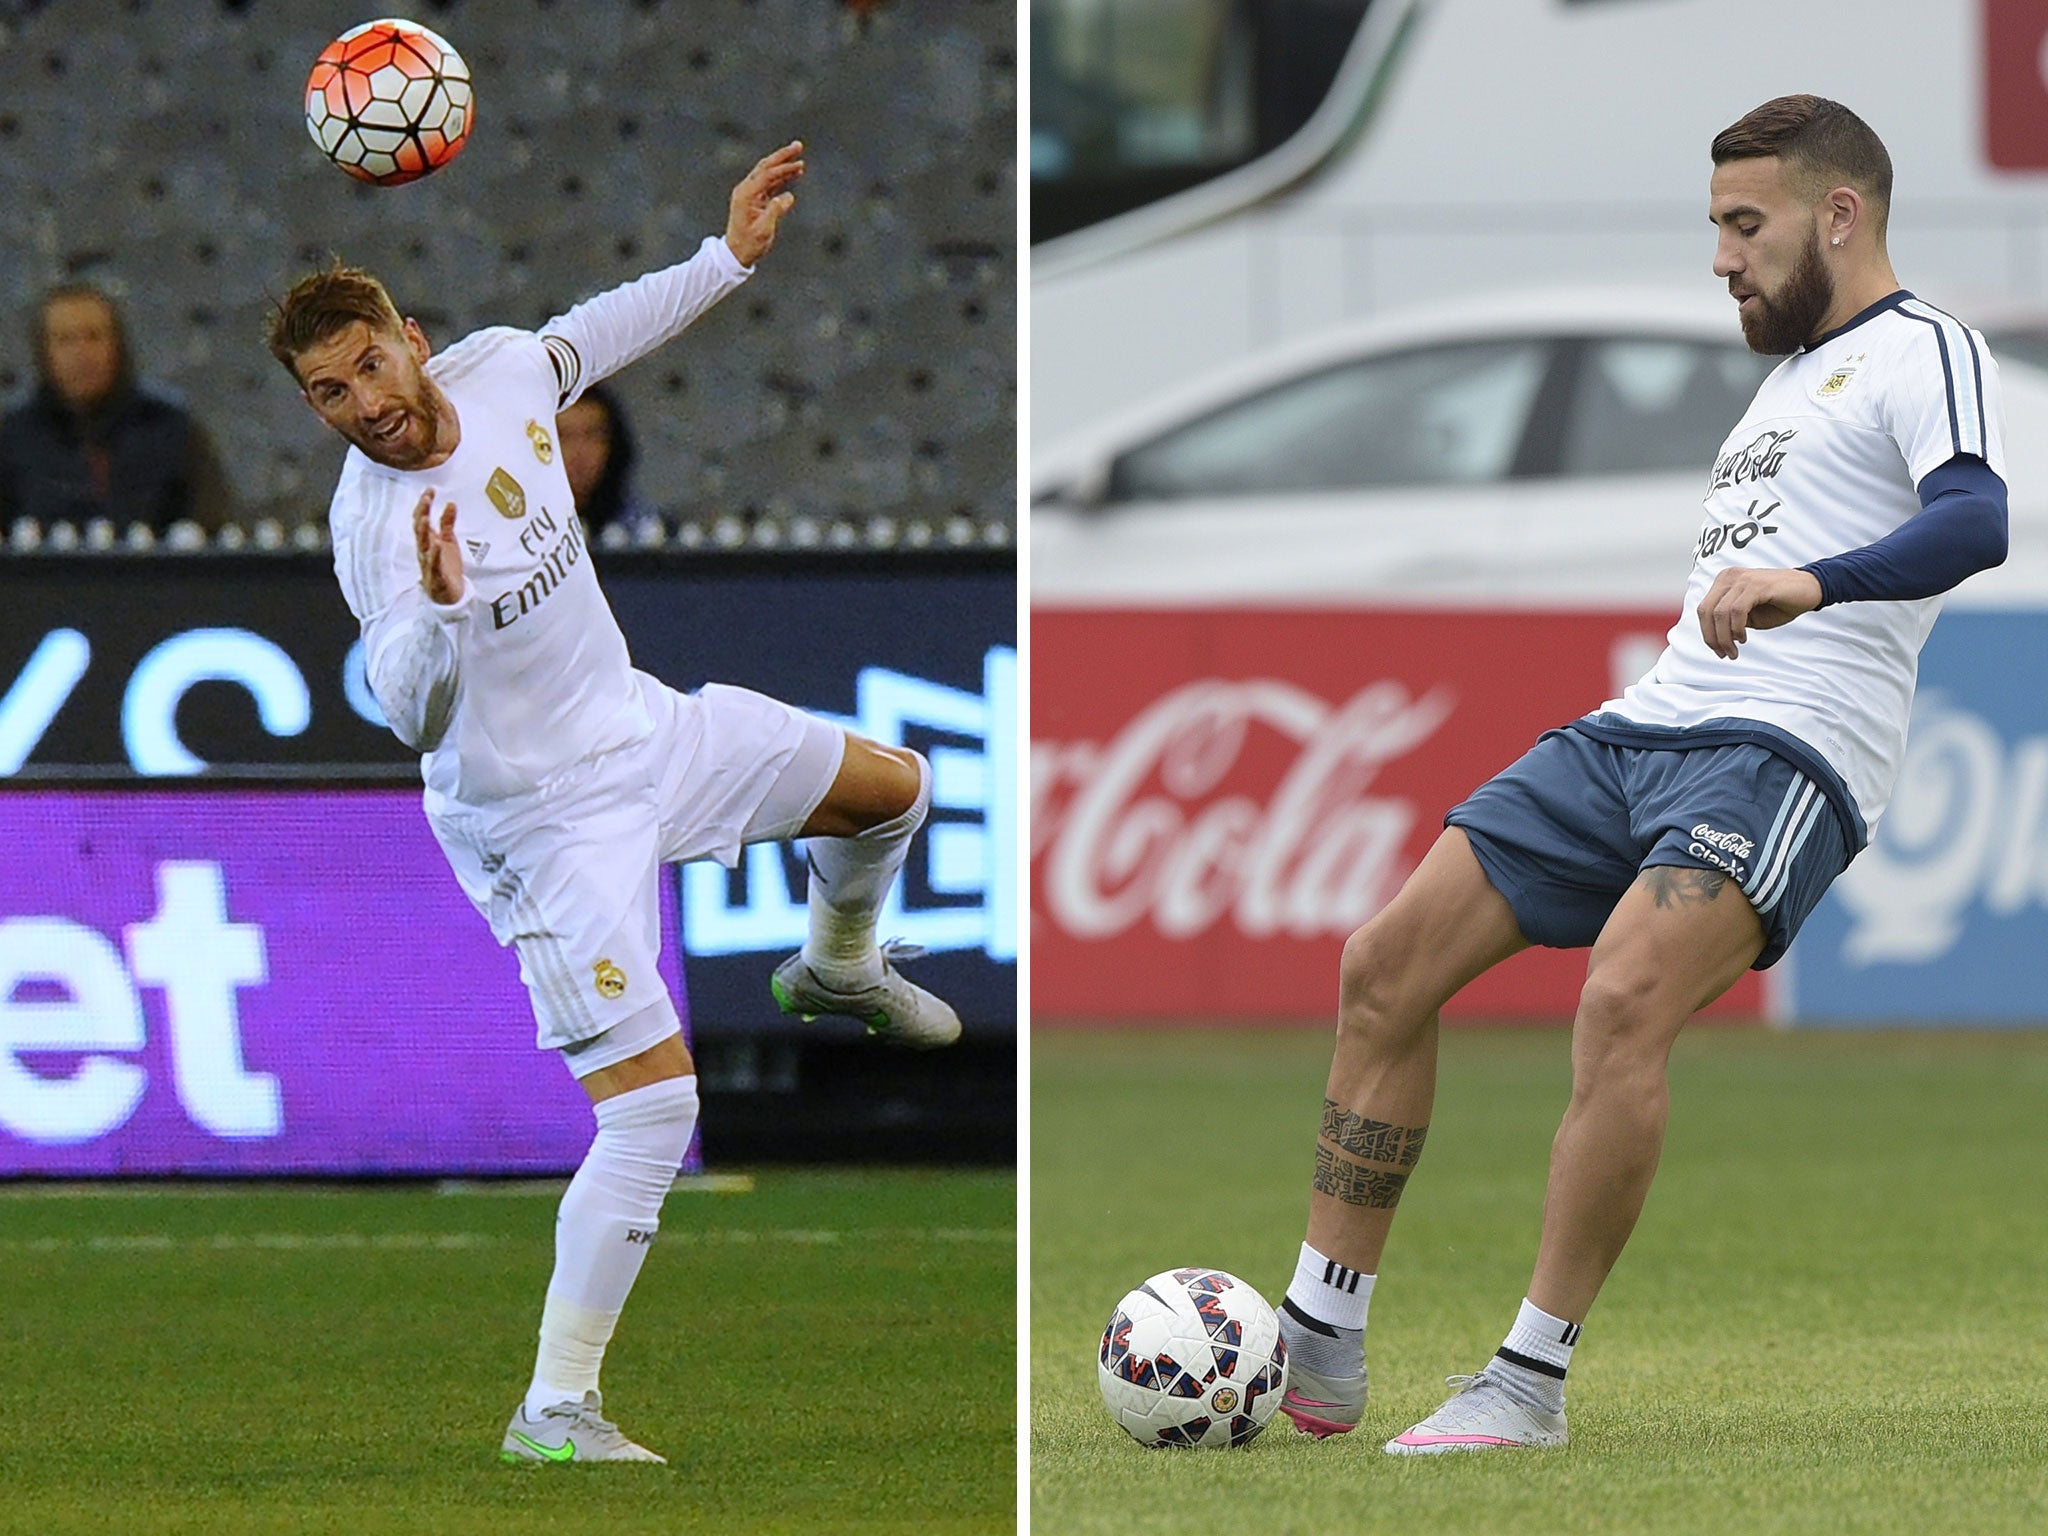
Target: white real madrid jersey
point(1827, 459)
point(526, 673)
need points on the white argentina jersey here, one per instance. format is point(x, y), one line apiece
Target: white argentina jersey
point(1826, 460)
point(526, 674)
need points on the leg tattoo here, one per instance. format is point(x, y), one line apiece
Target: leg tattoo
point(1373, 1188)
point(1680, 886)
point(1373, 1140)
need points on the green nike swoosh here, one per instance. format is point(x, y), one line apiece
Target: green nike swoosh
point(565, 1452)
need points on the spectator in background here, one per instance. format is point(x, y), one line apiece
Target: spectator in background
point(597, 453)
point(90, 442)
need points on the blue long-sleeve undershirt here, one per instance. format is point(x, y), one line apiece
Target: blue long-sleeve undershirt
point(1959, 531)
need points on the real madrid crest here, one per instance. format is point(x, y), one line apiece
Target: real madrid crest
point(506, 494)
point(543, 445)
point(609, 979)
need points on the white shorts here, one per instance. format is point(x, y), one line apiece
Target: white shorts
point(567, 876)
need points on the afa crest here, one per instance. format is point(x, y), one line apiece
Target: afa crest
point(543, 445)
point(506, 494)
point(609, 979)
point(1839, 380)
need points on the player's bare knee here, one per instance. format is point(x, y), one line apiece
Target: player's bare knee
point(1621, 1031)
point(1369, 980)
point(907, 793)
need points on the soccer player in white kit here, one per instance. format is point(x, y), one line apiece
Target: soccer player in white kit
point(558, 777)
point(1684, 830)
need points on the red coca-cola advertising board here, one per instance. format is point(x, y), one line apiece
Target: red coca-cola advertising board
point(1219, 797)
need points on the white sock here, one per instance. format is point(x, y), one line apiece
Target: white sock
point(1322, 1316)
point(607, 1222)
point(1537, 1352)
point(849, 878)
point(1328, 1292)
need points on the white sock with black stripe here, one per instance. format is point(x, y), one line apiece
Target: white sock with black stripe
point(1322, 1317)
point(1531, 1363)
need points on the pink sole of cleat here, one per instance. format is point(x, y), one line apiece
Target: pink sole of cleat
point(1309, 1424)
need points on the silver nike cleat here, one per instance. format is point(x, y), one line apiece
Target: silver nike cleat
point(1480, 1416)
point(1323, 1405)
point(569, 1434)
point(894, 1009)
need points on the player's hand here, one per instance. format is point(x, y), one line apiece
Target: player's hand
point(1741, 600)
point(440, 553)
point(760, 201)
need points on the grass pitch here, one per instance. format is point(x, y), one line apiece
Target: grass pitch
point(1830, 1318)
point(830, 1353)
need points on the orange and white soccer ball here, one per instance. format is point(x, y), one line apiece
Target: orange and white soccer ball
point(389, 102)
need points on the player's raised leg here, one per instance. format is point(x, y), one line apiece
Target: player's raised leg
point(1678, 939)
point(646, 1108)
point(857, 839)
point(1447, 925)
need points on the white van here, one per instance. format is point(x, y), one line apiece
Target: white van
point(1467, 146)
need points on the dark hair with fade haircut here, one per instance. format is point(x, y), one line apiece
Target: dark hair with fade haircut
point(1822, 145)
point(323, 304)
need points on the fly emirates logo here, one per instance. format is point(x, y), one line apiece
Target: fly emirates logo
point(557, 549)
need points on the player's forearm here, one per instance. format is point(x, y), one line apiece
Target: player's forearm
point(413, 664)
point(1959, 531)
point(604, 334)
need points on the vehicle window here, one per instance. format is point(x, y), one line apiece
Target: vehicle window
point(1135, 100)
point(1641, 405)
point(1444, 415)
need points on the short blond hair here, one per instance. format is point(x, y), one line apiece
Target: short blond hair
point(322, 305)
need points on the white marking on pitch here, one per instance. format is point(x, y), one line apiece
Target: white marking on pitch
point(297, 1242)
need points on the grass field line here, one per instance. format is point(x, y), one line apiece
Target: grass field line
point(292, 1242)
point(219, 1189)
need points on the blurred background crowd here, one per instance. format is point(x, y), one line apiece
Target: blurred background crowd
point(159, 185)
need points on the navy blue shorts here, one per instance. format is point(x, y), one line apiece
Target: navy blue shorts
point(1565, 830)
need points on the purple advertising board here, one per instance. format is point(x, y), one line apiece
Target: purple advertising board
point(254, 981)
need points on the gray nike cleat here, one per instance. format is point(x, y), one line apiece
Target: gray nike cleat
point(1323, 1405)
point(1480, 1416)
point(569, 1434)
point(895, 1010)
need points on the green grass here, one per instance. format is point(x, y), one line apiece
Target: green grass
point(831, 1353)
point(1830, 1319)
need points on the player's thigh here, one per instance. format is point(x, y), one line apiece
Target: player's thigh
point(737, 767)
point(1445, 926)
point(1678, 938)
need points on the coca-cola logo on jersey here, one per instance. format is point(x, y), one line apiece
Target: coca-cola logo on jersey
point(1248, 801)
point(1759, 459)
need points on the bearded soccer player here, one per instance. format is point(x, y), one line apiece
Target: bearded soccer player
point(558, 777)
point(1685, 829)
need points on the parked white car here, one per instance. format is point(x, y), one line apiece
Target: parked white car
point(1539, 449)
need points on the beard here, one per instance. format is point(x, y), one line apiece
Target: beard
point(416, 443)
point(1780, 323)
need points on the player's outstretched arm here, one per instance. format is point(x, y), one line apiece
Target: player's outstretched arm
point(760, 201)
point(602, 335)
point(1742, 599)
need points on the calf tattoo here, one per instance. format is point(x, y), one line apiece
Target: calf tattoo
point(1374, 1188)
point(1673, 886)
point(1374, 1140)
